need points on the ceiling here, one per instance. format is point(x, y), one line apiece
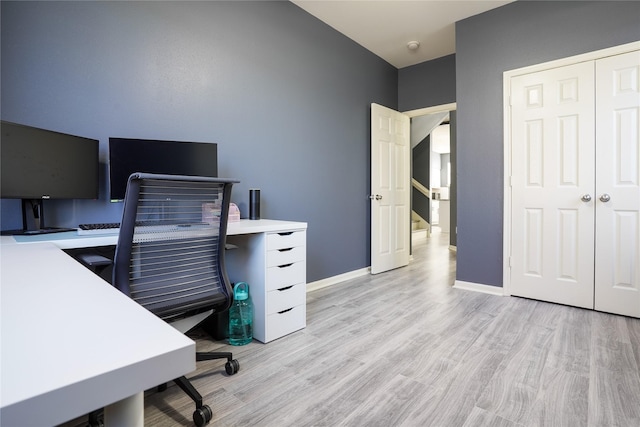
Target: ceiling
point(385, 27)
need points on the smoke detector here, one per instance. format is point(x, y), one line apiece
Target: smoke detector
point(413, 45)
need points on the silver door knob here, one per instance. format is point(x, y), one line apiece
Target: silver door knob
point(586, 197)
point(605, 198)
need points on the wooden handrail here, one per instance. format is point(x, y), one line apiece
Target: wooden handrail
point(421, 188)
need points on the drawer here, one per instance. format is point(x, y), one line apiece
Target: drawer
point(287, 239)
point(285, 298)
point(281, 324)
point(286, 275)
point(286, 256)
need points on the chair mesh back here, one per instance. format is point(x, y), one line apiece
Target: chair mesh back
point(175, 258)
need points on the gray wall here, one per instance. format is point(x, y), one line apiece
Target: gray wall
point(427, 84)
point(285, 97)
point(516, 35)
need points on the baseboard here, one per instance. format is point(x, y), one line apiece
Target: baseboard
point(334, 280)
point(478, 287)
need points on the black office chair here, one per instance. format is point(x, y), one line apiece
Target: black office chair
point(170, 256)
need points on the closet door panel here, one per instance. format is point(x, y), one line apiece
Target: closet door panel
point(552, 160)
point(617, 259)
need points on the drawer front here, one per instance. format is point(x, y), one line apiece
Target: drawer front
point(287, 275)
point(281, 324)
point(286, 256)
point(285, 298)
point(288, 239)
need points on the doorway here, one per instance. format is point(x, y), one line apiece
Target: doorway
point(433, 172)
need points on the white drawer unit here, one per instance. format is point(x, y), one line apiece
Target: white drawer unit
point(283, 257)
point(281, 300)
point(286, 240)
point(281, 276)
point(284, 322)
point(274, 264)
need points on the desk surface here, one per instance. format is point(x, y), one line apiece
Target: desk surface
point(71, 239)
point(71, 343)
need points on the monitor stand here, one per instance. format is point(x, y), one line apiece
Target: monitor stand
point(33, 220)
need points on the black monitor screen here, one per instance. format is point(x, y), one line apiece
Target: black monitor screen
point(127, 156)
point(42, 164)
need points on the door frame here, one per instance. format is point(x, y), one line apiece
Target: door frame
point(442, 108)
point(506, 85)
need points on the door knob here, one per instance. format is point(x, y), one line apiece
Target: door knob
point(377, 197)
point(586, 197)
point(605, 198)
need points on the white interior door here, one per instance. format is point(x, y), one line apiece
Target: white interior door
point(617, 201)
point(390, 197)
point(552, 185)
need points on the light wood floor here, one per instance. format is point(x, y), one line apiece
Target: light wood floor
point(404, 348)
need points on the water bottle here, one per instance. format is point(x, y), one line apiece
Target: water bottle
point(241, 316)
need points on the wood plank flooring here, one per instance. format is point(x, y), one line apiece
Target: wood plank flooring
point(404, 348)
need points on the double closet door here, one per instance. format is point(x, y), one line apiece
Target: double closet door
point(575, 184)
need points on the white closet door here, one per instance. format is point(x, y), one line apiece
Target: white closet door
point(552, 185)
point(617, 259)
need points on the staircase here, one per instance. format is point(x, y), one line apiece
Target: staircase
point(420, 229)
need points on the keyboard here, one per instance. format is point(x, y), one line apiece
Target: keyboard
point(98, 229)
point(151, 226)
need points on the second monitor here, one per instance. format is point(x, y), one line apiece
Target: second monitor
point(127, 155)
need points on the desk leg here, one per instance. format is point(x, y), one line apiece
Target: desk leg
point(127, 412)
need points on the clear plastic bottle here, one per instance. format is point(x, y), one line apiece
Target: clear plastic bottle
point(241, 316)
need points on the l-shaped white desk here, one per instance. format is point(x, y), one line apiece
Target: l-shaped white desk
point(71, 343)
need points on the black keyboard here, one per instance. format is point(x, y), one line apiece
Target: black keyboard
point(99, 228)
point(114, 227)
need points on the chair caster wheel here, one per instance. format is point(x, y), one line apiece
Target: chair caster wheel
point(232, 367)
point(96, 418)
point(202, 415)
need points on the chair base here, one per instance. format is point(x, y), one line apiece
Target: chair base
point(203, 413)
point(231, 367)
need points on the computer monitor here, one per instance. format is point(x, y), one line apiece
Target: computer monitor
point(128, 155)
point(38, 164)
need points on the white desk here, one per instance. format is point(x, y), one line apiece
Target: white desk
point(71, 343)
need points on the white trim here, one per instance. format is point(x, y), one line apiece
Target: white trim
point(453, 248)
point(334, 280)
point(430, 110)
point(506, 85)
point(506, 221)
point(589, 56)
point(479, 287)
